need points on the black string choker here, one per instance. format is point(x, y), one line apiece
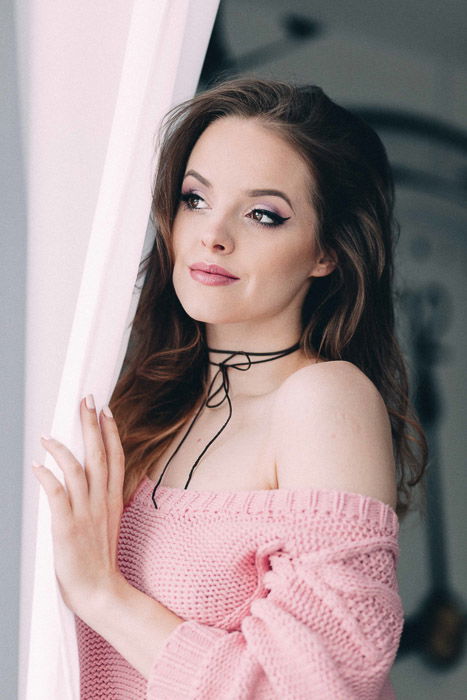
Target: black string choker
point(209, 402)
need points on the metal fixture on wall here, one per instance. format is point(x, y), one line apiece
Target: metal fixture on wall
point(449, 182)
point(437, 629)
point(220, 62)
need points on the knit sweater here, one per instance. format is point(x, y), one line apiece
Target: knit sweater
point(287, 594)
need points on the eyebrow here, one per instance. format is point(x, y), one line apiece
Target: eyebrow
point(274, 193)
point(249, 193)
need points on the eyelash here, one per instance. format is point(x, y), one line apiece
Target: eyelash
point(277, 219)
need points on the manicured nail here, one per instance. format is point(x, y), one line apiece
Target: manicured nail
point(107, 412)
point(35, 464)
point(46, 437)
point(90, 402)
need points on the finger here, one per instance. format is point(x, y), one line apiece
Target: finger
point(95, 462)
point(115, 456)
point(57, 497)
point(75, 480)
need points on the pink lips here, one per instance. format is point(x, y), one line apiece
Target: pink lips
point(211, 275)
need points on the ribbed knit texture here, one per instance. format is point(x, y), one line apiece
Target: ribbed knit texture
point(286, 594)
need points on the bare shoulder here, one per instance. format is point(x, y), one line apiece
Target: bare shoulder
point(332, 431)
point(332, 376)
point(337, 384)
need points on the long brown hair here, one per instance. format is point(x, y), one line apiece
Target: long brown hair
point(347, 315)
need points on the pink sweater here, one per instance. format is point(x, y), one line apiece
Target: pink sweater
point(285, 594)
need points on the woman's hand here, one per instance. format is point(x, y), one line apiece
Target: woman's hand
point(86, 514)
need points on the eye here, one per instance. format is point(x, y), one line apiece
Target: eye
point(260, 216)
point(191, 200)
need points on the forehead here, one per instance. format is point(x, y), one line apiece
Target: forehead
point(233, 147)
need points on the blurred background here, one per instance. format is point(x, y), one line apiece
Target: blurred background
point(403, 67)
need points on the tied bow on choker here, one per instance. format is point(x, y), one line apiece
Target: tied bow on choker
point(224, 391)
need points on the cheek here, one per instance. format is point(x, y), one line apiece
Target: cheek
point(177, 248)
point(180, 243)
point(177, 274)
point(292, 262)
point(176, 237)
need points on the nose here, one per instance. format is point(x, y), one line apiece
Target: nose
point(217, 238)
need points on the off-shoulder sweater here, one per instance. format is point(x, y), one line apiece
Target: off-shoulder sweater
point(287, 594)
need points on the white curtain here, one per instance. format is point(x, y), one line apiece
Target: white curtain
point(96, 78)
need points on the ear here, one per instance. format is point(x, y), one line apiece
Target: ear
point(325, 264)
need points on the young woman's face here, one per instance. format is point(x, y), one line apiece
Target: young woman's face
point(245, 208)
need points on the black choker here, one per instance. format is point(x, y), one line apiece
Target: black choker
point(223, 370)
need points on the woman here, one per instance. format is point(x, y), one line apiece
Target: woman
point(263, 412)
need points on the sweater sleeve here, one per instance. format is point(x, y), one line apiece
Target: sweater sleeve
point(327, 627)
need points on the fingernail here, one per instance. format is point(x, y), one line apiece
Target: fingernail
point(46, 437)
point(90, 402)
point(107, 412)
point(35, 464)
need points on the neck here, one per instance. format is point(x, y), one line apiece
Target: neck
point(266, 372)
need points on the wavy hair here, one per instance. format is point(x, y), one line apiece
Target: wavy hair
point(347, 315)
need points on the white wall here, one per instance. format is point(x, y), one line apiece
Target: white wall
point(14, 114)
point(12, 284)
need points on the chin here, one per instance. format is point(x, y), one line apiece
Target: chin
point(206, 314)
point(210, 307)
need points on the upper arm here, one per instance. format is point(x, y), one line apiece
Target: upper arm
point(332, 431)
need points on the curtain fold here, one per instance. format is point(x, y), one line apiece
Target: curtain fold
point(96, 82)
